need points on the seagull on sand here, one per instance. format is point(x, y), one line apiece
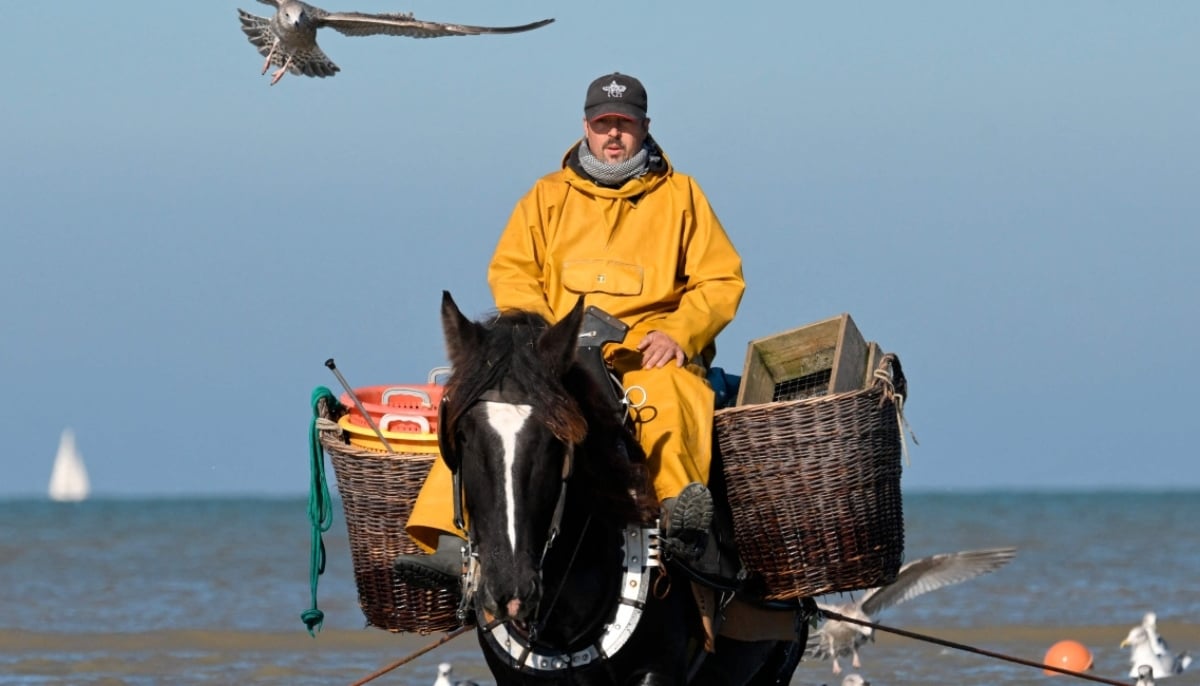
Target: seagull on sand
point(1142, 654)
point(853, 679)
point(1150, 624)
point(443, 677)
point(836, 638)
point(289, 38)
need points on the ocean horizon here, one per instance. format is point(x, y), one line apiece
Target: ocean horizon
point(209, 590)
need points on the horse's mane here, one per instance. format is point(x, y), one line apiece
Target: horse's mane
point(571, 405)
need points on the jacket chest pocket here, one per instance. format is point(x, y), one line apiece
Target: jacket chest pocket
point(602, 276)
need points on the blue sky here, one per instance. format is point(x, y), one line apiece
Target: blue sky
point(1005, 194)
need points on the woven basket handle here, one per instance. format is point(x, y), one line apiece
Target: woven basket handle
point(327, 414)
point(889, 375)
point(895, 388)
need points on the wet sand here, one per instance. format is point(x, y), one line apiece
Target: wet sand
point(340, 656)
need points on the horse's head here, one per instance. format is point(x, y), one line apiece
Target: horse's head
point(521, 417)
point(510, 427)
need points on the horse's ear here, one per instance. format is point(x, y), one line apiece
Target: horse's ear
point(446, 446)
point(558, 343)
point(461, 333)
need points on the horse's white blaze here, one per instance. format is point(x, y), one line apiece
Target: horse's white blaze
point(506, 420)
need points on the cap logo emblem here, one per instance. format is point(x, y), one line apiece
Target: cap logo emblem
point(614, 89)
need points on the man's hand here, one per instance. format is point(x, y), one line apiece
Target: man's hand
point(658, 349)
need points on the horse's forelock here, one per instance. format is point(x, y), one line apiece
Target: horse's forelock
point(570, 406)
point(564, 419)
point(507, 359)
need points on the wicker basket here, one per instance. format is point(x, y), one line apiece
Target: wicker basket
point(814, 485)
point(378, 491)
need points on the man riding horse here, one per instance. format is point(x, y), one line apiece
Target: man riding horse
point(618, 226)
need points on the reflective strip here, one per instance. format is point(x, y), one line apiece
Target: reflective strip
point(640, 558)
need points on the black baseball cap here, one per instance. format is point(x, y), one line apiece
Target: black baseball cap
point(615, 94)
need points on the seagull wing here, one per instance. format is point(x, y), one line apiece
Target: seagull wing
point(817, 647)
point(929, 573)
point(834, 636)
point(1181, 662)
point(361, 24)
point(309, 61)
point(272, 3)
point(257, 30)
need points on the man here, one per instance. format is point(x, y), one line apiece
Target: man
point(620, 227)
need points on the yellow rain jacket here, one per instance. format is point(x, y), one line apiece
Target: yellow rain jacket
point(651, 253)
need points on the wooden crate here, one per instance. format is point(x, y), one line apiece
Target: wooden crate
point(829, 356)
point(874, 352)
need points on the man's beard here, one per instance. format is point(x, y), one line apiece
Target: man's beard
point(617, 142)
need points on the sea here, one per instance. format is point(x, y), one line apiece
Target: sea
point(115, 592)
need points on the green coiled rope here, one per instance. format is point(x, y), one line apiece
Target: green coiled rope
point(320, 512)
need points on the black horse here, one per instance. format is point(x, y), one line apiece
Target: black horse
point(564, 578)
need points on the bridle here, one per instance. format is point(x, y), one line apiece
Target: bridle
point(640, 554)
point(444, 444)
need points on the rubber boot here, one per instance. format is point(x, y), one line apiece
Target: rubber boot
point(686, 520)
point(441, 569)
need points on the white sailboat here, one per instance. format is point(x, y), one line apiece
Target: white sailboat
point(69, 479)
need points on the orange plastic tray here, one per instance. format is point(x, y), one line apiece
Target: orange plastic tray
point(410, 399)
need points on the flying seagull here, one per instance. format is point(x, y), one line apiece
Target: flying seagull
point(837, 639)
point(289, 39)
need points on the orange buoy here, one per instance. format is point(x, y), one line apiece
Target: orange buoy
point(1068, 654)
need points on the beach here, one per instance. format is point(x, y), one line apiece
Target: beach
point(210, 591)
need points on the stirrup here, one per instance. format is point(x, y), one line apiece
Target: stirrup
point(440, 569)
point(423, 572)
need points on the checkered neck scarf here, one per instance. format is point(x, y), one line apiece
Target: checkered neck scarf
point(613, 174)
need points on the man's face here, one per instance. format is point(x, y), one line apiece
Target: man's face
point(614, 139)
